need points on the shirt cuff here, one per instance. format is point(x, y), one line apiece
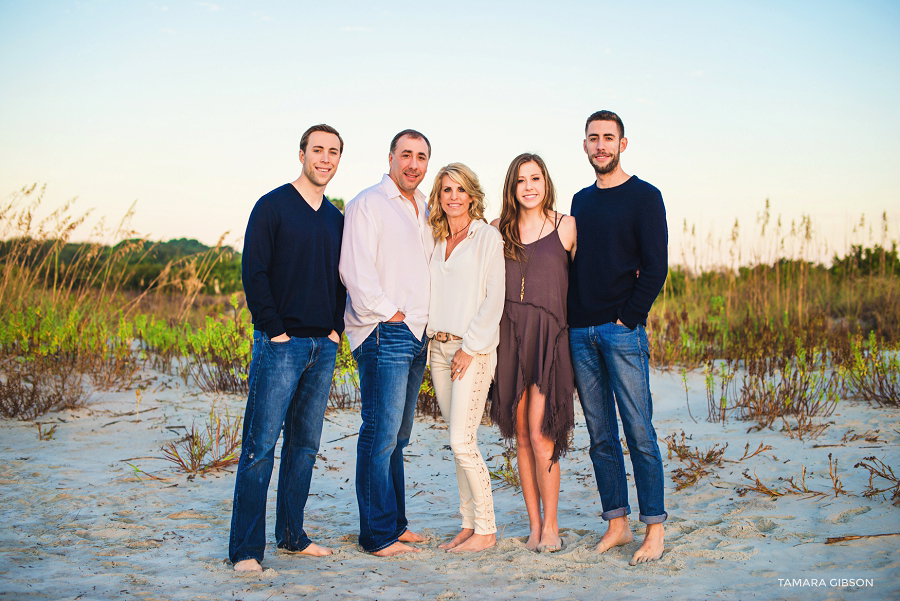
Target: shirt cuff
point(386, 310)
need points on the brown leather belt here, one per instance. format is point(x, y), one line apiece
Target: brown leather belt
point(445, 337)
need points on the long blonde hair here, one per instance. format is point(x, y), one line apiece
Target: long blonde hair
point(466, 178)
point(509, 211)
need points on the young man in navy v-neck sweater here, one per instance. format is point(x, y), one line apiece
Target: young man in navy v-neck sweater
point(619, 268)
point(290, 275)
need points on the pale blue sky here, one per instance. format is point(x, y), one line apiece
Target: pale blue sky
point(195, 109)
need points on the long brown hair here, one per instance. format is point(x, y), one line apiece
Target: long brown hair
point(509, 212)
point(466, 178)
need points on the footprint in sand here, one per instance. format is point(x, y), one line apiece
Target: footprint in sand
point(847, 515)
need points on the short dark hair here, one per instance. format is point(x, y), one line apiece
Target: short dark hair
point(606, 116)
point(304, 139)
point(415, 135)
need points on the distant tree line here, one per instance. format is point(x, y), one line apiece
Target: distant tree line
point(140, 262)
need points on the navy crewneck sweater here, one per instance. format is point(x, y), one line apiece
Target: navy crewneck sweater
point(289, 266)
point(620, 230)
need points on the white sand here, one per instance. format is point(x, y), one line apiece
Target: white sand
point(77, 523)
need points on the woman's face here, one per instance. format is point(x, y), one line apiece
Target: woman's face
point(454, 199)
point(531, 186)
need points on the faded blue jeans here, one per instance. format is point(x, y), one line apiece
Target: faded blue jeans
point(289, 384)
point(391, 363)
point(612, 370)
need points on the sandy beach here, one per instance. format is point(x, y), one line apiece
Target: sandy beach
point(96, 513)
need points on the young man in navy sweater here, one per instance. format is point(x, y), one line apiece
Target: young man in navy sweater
point(617, 273)
point(290, 275)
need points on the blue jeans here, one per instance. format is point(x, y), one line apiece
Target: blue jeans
point(611, 370)
point(391, 363)
point(289, 383)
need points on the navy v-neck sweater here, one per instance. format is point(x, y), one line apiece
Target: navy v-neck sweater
point(289, 266)
point(620, 230)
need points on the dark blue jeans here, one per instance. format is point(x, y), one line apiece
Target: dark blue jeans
point(391, 363)
point(289, 383)
point(612, 370)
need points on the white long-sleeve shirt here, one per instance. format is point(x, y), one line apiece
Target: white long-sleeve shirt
point(384, 260)
point(468, 290)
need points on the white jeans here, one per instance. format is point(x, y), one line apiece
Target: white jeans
point(462, 405)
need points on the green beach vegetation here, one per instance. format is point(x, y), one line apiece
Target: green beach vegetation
point(780, 339)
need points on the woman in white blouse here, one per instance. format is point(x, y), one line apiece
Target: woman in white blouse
point(467, 299)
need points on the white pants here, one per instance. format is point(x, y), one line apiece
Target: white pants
point(462, 405)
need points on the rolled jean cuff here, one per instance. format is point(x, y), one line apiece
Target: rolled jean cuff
point(615, 513)
point(654, 519)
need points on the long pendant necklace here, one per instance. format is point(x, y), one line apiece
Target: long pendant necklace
point(528, 263)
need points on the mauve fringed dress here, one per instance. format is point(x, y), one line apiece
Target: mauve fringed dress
point(534, 343)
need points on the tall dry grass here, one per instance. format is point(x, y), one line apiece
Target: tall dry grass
point(66, 329)
point(779, 335)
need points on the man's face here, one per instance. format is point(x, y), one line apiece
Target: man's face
point(603, 145)
point(408, 164)
point(320, 161)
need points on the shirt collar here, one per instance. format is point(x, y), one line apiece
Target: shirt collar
point(392, 191)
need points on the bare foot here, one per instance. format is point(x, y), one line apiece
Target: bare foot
point(617, 534)
point(463, 535)
point(475, 543)
point(397, 548)
point(247, 565)
point(314, 550)
point(411, 537)
point(550, 544)
point(652, 547)
point(534, 539)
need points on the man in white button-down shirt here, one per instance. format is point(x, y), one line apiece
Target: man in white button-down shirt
point(386, 248)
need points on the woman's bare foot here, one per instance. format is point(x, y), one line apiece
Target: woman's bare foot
point(617, 534)
point(463, 535)
point(247, 565)
point(475, 543)
point(550, 543)
point(409, 536)
point(534, 539)
point(397, 548)
point(652, 547)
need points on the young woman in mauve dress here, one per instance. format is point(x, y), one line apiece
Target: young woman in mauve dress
point(534, 384)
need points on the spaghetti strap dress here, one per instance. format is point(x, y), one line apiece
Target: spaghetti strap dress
point(534, 342)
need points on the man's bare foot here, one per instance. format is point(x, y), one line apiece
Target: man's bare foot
point(397, 548)
point(617, 534)
point(534, 539)
point(475, 543)
point(314, 550)
point(652, 547)
point(463, 535)
point(247, 565)
point(409, 536)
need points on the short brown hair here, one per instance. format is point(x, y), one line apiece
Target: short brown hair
point(606, 116)
point(415, 135)
point(304, 139)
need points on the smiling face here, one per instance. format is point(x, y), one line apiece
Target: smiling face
point(321, 158)
point(603, 145)
point(531, 187)
point(408, 164)
point(454, 199)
